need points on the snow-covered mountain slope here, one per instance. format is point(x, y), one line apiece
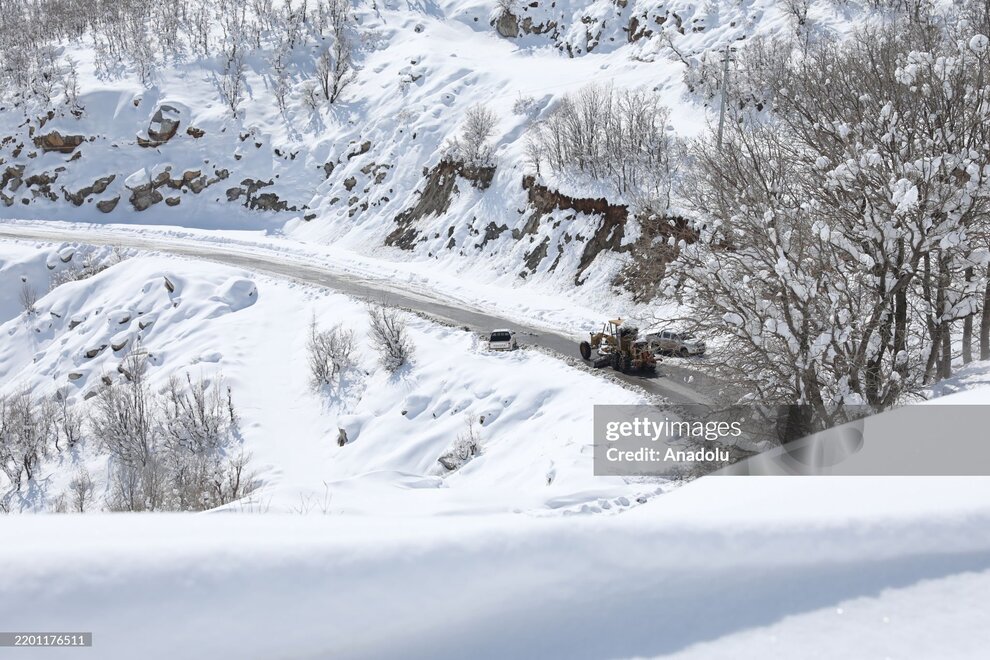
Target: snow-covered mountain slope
point(532, 413)
point(366, 170)
point(723, 567)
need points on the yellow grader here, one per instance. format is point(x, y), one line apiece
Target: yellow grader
point(618, 345)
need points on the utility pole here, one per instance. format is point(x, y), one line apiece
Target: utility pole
point(726, 59)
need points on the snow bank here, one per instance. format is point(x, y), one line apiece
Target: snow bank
point(684, 574)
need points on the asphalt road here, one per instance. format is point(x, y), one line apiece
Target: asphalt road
point(670, 382)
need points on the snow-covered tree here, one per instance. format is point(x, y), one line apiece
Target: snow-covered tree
point(843, 237)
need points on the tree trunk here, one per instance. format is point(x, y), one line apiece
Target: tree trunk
point(985, 322)
point(967, 334)
point(945, 361)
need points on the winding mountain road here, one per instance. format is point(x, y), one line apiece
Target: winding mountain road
point(670, 382)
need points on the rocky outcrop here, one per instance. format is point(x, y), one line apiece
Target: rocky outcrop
point(492, 232)
point(79, 197)
point(145, 188)
point(610, 231)
point(55, 141)
point(267, 201)
point(434, 198)
point(12, 174)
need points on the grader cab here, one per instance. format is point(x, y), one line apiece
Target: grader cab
point(618, 345)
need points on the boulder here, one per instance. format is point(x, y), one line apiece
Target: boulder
point(120, 341)
point(507, 25)
point(94, 351)
point(164, 124)
point(108, 205)
point(144, 197)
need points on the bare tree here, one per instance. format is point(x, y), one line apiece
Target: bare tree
point(233, 26)
point(81, 491)
point(335, 64)
point(24, 437)
point(621, 138)
point(124, 417)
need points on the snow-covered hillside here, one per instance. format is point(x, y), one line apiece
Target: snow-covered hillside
point(152, 139)
point(530, 412)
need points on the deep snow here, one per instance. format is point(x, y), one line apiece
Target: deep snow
point(532, 412)
point(724, 567)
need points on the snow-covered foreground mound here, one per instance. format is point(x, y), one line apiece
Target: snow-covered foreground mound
point(724, 567)
point(531, 413)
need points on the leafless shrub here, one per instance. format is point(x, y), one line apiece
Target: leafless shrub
point(28, 298)
point(462, 450)
point(170, 452)
point(94, 263)
point(331, 352)
point(524, 105)
point(506, 6)
point(389, 337)
point(472, 146)
point(196, 417)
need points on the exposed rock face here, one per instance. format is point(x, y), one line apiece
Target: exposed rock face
point(435, 196)
point(268, 202)
point(537, 254)
point(194, 132)
point(55, 141)
point(507, 25)
point(492, 232)
point(609, 234)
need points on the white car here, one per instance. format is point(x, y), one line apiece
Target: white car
point(674, 342)
point(502, 340)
